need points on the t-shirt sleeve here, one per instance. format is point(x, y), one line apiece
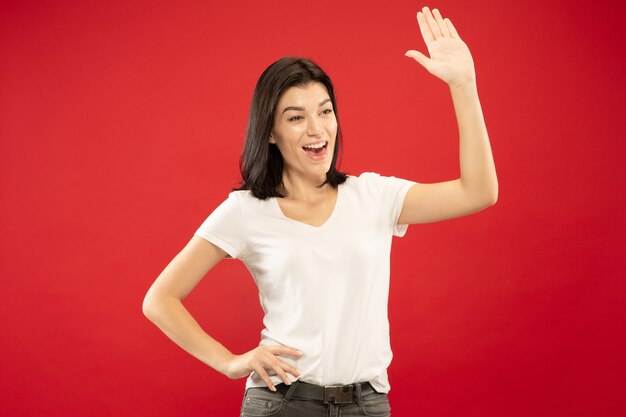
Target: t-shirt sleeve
point(224, 227)
point(390, 193)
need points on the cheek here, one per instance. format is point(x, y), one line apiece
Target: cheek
point(332, 125)
point(286, 135)
point(292, 133)
point(289, 141)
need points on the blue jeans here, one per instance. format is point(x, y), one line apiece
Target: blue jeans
point(262, 402)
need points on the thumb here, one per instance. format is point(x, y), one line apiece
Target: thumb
point(419, 57)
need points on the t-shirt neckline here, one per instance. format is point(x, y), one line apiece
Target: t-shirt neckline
point(306, 225)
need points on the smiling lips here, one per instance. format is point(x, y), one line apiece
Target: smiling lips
point(316, 151)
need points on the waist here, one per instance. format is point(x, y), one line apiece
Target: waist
point(338, 394)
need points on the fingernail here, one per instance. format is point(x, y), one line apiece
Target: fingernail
point(288, 382)
point(273, 388)
point(299, 353)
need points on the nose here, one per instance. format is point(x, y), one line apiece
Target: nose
point(314, 128)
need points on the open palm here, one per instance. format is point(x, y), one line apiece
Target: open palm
point(450, 58)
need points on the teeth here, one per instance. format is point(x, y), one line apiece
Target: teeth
point(315, 146)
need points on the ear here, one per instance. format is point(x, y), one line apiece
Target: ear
point(272, 139)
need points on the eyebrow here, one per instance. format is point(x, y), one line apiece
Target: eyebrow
point(302, 109)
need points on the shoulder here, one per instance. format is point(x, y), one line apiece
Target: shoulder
point(366, 180)
point(363, 178)
point(244, 197)
point(375, 183)
point(240, 195)
point(232, 204)
point(365, 184)
point(247, 204)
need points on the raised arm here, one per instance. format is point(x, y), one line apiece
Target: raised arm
point(163, 306)
point(450, 60)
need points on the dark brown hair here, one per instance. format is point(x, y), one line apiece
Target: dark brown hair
point(261, 163)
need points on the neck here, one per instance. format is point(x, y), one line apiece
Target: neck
point(304, 188)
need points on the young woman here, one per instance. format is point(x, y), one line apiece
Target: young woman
point(317, 241)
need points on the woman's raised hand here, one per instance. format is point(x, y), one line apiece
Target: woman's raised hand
point(261, 360)
point(450, 58)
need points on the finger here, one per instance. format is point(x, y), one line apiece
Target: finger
point(260, 370)
point(434, 27)
point(289, 369)
point(424, 29)
point(419, 57)
point(285, 368)
point(451, 28)
point(284, 350)
point(445, 32)
point(281, 373)
point(273, 363)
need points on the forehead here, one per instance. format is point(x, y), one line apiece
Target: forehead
point(304, 95)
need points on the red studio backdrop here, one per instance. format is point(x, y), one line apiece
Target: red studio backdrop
point(121, 125)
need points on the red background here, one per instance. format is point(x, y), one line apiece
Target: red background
point(121, 125)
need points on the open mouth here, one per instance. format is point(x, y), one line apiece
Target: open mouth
point(317, 150)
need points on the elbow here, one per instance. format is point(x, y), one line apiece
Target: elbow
point(492, 196)
point(149, 307)
point(155, 304)
point(483, 196)
point(146, 308)
point(489, 199)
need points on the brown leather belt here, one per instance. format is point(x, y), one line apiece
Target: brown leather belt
point(338, 394)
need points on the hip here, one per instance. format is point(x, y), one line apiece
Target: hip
point(303, 399)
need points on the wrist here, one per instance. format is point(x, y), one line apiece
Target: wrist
point(225, 365)
point(466, 84)
point(218, 358)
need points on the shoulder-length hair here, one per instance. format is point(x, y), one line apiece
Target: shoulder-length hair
point(261, 163)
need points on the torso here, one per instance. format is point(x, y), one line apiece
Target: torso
point(322, 270)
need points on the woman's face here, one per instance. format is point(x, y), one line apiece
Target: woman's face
point(305, 129)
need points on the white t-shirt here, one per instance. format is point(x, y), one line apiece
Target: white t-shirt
point(323, 290)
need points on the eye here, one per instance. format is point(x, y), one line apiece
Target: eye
point(327, 111)
point(294, 118)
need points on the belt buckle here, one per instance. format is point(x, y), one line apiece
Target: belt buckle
point(338, 394)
